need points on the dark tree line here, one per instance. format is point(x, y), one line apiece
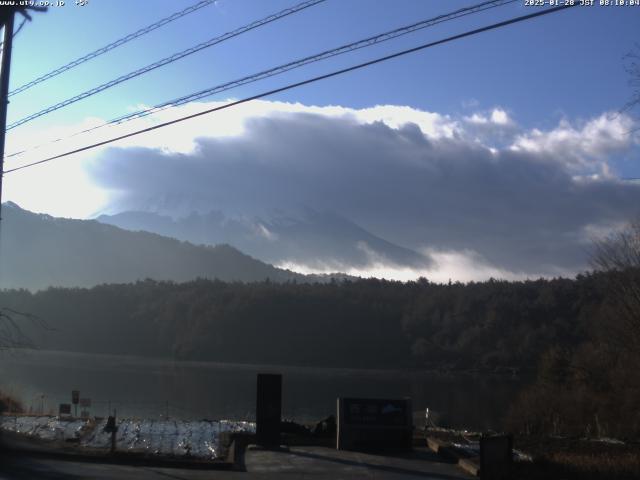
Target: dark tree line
point(488, 326)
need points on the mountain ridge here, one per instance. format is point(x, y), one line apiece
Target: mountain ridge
point(315, 240)
point(40, 250)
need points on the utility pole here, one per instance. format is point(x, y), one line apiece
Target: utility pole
point(4, 91)
point(7, 16)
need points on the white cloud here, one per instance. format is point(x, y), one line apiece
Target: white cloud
point(462, 266)
point(63, 188)
point(264, 232)
point(584, 148)
point(497, 116)
point(500, 117)
point(420, 179)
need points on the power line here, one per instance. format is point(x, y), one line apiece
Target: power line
point(367, 42)
point(112, 45)
point(24, 20)
point(167, 60)
point(304, 82)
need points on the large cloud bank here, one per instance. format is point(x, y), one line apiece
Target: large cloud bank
point(478, 195)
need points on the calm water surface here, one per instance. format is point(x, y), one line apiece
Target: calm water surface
point(145, 387)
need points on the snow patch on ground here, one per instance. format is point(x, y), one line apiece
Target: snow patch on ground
point(45, 428)
point(180, 438)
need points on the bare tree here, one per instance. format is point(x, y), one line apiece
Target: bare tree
point(12, 334)
point(632, 67)
point(619, 255)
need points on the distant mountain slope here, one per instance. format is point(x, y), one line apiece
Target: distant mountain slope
point(314, 239)
point(37, 251)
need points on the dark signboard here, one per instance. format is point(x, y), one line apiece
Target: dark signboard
point(375, 412)
point(374, 424)
point(268, 409)
point(65, 409)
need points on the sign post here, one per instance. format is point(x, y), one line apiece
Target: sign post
point(112, 427)
point(75, 399)
point(374, 424)
point(268, 409)
point(85, 403)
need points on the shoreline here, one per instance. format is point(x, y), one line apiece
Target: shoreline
point(151, 361)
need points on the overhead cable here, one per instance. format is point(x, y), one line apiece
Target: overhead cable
point(301, 83)
point(167, 60)
point(367, 42)
point(112, 45)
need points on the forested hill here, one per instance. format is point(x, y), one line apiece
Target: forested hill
point(39, 251)
point(491, 326)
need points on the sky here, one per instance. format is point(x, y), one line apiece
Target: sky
point(501, 154)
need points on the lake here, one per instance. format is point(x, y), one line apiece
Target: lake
point(150, 387)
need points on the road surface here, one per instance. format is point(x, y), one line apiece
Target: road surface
point(297, 462)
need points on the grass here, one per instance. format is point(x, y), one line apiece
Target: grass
point(574, 458)
point(566, 458)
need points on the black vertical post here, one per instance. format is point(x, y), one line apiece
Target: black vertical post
point(4, 91)
point(268, 409)
point(113, 433)
point(112, 427)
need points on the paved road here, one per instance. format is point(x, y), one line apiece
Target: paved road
point(322, 462)
point(299, 462)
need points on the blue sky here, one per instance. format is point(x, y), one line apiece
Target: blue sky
point(502, 147)
point(568, 64)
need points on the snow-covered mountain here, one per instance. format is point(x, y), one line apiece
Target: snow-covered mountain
point(316, 241)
